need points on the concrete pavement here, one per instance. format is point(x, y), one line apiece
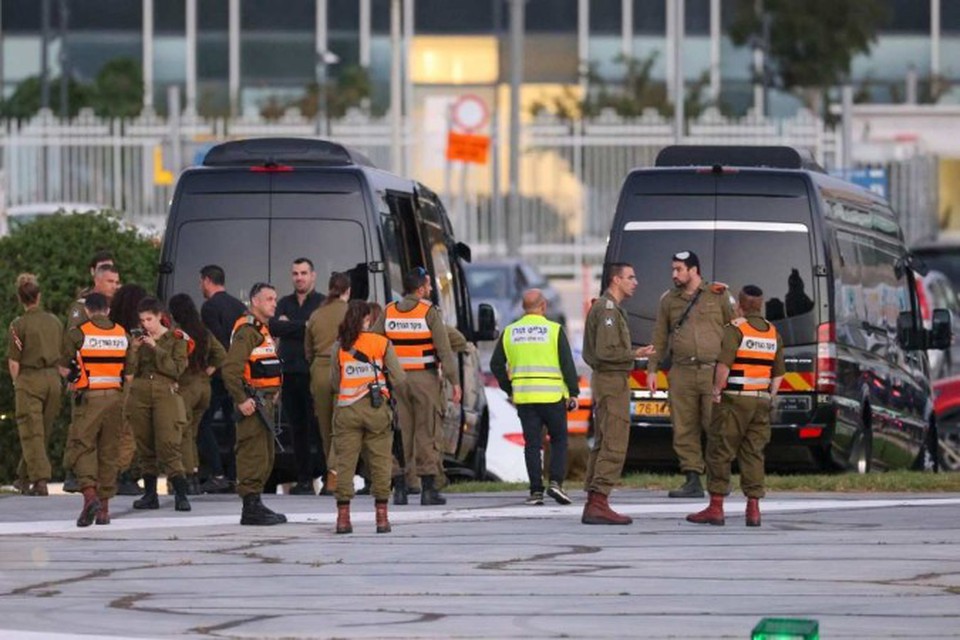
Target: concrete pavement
point(483, 566)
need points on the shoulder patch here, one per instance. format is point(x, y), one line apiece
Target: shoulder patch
point(718, 287)
point(609, 305)
point(736, 322)
point(180, 334)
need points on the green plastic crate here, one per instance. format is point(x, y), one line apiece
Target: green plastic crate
point(786, 629)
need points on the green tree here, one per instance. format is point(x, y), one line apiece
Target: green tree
point(25, 101)
point(57, 248)
point(118, 89)
point(810, 44)
point(349, 89)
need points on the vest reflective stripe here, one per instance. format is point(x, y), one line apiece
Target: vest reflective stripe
point(356, 376)
point(411, 337)
point(101, 357)
point(262, 369)
point(578, 421)
point(752, 367)
point(530, 345)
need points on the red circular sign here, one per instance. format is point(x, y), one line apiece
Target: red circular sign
point(470, 113)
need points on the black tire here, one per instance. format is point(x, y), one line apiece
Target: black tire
point(948, 449)
point(479, 466)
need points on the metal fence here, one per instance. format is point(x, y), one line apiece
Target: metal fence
point(570, 177)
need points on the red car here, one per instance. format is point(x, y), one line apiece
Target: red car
point(946, 405)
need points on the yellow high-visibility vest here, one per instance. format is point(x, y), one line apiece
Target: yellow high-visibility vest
point(533, 360)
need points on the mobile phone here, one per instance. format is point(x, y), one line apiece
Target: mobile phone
point(136, 334)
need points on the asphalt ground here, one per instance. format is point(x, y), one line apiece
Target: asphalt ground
point(484, 566)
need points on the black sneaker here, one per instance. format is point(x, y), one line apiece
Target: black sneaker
point(70, 483)
point(556, 492)
point(218, 484)
point(535, 499)
point(303, 489)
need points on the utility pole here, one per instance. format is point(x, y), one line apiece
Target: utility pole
point(678, 85)
point(147, 55)
point(44, 54)
point(396, 88)
point(64, 60)
point(514, 226)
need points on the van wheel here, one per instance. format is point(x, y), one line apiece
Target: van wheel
point(861, 451)
point(479, 466)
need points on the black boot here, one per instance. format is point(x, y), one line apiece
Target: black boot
point(180, 501)
point(149, 500)
point(399, 490)
point(193, 485)
point(254, 513)
point(690, 489)
point(126, 485)
point(70, 482)
point(428, 492)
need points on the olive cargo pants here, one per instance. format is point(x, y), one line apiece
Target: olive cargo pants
point(611, 397)
point(93, 440)
point(37, 396)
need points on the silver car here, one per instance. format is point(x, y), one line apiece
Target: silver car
point(501, 283)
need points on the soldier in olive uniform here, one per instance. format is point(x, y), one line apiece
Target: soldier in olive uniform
point(321, 333)
point(420, 337)
point(157, 359)
point(253, 367)
point(689, 328)
point(106, 281)
point(607, 349)
point(749, 370)
point(32, 353)
point(92, 359)
point(205, 355)
point(362, 420)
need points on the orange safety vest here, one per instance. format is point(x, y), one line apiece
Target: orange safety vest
point(752, 369)
point(101, 357)
point(356, 376)
point(578, 420)
point(262, 369)
point(411, 337)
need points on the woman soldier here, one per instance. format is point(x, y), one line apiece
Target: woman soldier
point(123, 311)
point(32, 355)
point(206, 355)
point(156, 360)
point(319, 337)
point(362, 418)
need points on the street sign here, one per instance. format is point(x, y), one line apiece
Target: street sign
point(468, 148)
point(469, 113)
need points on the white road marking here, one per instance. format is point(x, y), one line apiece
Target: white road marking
point(363, 513)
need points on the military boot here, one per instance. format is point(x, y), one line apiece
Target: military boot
point(399, 490)
point(713, 514)
point(127, 486)
point(255, 513)
point(329, 484)
point(598, 511)
point(753, 512)
point(39, 488)
point(689, 489)
point(70, 483)
point(343, 518)
point(149, 499)
point(91, 505)
point(103, 516)
point(180, 501)
point(428, 492)
point(383, 523)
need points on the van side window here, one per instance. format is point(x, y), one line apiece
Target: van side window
point(394, 254)
point(436, 245)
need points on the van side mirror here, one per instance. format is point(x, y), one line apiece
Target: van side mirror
point(941, 330)
point(486, 323)
point(908, 335)
point(463, 252)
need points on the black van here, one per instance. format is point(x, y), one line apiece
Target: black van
point(257, 204)
point(839, 286)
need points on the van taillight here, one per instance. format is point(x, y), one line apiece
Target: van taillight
point(271, 168)
point(826, 358)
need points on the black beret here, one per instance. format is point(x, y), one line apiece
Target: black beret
point(753, 291)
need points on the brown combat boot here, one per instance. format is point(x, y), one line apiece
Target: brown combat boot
point(103, 516)
point(753, 512)
point(383, 524)
point(713, 514)
point(343, 518)
point(91, 505)
point(39, 488)
point(598, 511)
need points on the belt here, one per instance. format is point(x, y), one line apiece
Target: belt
point(749, 394)
point(99, 392)
point(693, 362)
point(154, 376)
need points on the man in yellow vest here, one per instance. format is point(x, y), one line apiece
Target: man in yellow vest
point(749, 370)
point(534, 366)
point(416, 329)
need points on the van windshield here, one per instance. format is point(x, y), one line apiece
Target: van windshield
point(241, 248)
point(737, 248)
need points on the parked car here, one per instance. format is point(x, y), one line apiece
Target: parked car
point(934, 291)
point(22, 214)
point(943, 255)
point(947, 408)
point(501, 283)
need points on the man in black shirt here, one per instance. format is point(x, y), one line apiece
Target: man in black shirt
point(219, 313)
point(289, 324)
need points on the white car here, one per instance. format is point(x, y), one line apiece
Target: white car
point(505, 444)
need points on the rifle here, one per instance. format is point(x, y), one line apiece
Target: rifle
point(392, 403)
point(263, 414)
